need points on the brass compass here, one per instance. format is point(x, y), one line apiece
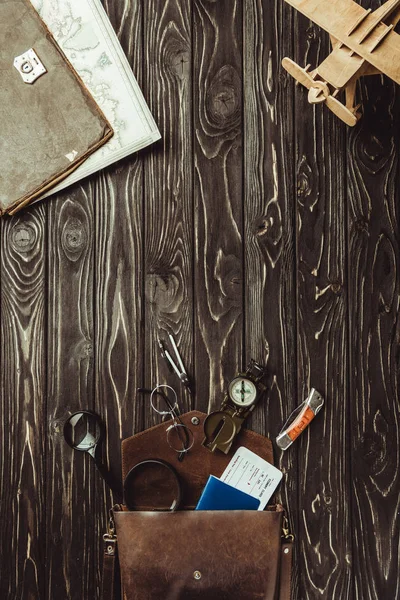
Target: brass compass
point(244, 391)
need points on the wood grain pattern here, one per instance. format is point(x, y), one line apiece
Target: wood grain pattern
point(324, 476)
point(269, 210)
point(118, 304)
point(218, 268)
point(257, 227)
point(168, 262)
point(70, 475)
point(118, 285)
point(374, 294)
point(22, 410)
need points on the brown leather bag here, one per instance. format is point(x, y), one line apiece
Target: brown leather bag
point(193, 555)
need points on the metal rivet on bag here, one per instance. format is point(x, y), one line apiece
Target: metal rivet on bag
point(197, 575)
point(195, 421)
point(286, 550)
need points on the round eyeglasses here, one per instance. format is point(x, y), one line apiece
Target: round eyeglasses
point(164, 401)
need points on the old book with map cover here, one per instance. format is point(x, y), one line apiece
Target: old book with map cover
point(49, 122)
point(85, 34)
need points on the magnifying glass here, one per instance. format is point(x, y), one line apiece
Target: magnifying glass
point(85, 431)
point(153, 485)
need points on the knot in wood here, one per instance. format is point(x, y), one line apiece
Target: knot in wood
point(164, 291)
point(84, 349)
point(361, 225)
point(73, 238)
point(23, 238)
point(262, 227)
point(178, 58)
point(228, 272)
point(269, 231)
point(336, 287)
point(223, 99)
point(57, 427)
point(373, 446)
point(375, 149)
point(311, 32)
point(304, 180)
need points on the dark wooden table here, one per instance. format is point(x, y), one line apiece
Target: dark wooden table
point(258, 227)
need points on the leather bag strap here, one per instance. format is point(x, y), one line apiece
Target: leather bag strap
point(286, 571)
point(110, 565)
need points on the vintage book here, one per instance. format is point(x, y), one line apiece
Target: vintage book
point(49, 122)
point(85, 34)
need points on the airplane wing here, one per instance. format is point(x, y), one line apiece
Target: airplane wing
point(340, 66)
point(387, 10)
point(332, 15)
point(358, 29)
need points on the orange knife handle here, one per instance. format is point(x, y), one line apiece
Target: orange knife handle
point(305, 414)
point(300, 423)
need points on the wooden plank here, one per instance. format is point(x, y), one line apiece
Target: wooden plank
point(118, 306)
point(169, 194)
point(70, 474)
point(374, 294)
point(269, 210)
point(22, 408)
point(218, 268)
point(118, 284)
point(167, 241)
point(324, 534)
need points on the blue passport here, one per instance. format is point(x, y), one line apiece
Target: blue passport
point(218, 495)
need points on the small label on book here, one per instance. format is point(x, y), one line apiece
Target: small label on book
point(253, 475)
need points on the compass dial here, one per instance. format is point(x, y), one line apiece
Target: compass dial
point(242, 391)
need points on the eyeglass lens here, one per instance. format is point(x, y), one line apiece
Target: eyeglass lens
point(179, 437)
point(163, 400)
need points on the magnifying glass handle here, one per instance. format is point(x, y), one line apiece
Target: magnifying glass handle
point(110, 480)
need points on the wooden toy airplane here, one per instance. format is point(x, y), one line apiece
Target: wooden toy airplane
point(363, 43)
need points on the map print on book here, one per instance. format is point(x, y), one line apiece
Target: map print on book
point(84, 33)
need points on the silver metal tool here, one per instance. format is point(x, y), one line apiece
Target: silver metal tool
point(179, 368)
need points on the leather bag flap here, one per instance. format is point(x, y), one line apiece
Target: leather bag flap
point(199, 462)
